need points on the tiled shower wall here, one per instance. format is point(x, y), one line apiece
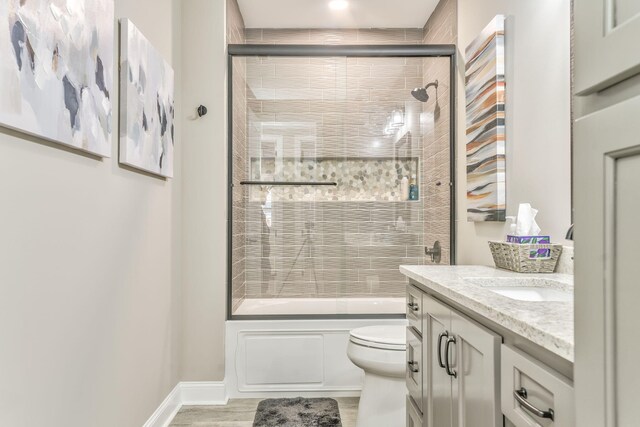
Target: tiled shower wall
point(441, 28)
point(335, 37)
point(318, 116)
point(347, 249)
point(235, 34)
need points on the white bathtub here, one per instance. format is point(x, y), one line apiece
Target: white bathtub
point(321, 306)
point(288, 358)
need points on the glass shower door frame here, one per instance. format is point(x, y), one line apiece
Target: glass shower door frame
point(347, 51)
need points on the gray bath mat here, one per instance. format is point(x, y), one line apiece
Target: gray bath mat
point(298, 412)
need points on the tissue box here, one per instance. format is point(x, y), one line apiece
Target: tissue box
point(529, 240)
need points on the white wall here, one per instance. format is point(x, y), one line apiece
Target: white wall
point(89, 296)
point(205, 190)
point(537, 115)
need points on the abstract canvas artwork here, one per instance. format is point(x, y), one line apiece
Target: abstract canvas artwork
point(485, 103)
point(56, 71)
point(146, 106)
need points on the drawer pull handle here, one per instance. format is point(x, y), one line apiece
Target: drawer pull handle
point(451, 372)
point(413, 306)
point(444, 334)
point(413, 366)
point(521, 397)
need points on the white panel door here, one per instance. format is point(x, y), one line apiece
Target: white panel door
point(476, 369)
point(607, 36)
point(607, 260)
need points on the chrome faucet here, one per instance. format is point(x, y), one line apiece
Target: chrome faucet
point(570, 233)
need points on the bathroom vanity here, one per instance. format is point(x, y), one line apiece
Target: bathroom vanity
point(487, 348)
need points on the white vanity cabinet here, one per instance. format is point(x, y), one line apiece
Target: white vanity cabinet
point(460, 375)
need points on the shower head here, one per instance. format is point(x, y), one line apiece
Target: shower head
point(420, 93)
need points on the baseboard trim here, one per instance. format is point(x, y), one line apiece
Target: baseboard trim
point(167, 409)
point(203, 393)
point(188, 393)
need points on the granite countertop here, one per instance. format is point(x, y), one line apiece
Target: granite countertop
point(548, 324)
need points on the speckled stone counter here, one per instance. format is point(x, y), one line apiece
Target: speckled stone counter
point(548, 324)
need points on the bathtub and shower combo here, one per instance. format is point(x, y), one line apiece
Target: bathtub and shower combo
point(323, 142)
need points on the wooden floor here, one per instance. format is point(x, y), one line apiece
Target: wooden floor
point(240, 413)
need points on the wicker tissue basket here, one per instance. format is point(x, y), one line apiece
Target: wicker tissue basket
point(523, 258)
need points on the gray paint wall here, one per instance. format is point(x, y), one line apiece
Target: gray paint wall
point(89, 297)
point(205, 191)
point(538, 117)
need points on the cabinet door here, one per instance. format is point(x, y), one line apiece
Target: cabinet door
point(606, 34)
point(475, 361)
point(437, 383)
point(414, 308)
point(607, 202)
point(414, 418)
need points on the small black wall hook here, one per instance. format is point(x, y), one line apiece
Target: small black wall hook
point(202, 111)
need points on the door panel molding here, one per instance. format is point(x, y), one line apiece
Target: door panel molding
point(611, 297)
point(606, 53)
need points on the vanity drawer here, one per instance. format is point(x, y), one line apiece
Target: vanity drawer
point(414, 367)
point(414, 308)
point(533, 394)
point(414, 418)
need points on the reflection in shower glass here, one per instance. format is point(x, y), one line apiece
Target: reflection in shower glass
point(321, 147)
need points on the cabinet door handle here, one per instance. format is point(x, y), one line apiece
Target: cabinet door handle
point(444, 334)
point(521, 397)
point(451, 372)
point(413, 366)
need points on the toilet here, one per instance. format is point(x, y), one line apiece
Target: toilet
point(381, 352)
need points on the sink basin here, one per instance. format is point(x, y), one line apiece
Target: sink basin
point(526, 289)
point(532, 293)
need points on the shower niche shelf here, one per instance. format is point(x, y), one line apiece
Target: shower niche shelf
point(358, 179)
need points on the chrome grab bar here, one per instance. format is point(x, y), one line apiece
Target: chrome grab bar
point(521, 397)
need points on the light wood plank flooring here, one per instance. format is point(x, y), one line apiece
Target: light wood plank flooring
point(240, 413)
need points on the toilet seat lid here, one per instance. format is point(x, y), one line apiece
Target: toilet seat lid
point(388, 337)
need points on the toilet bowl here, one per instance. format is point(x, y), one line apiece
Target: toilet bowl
point(381, 352)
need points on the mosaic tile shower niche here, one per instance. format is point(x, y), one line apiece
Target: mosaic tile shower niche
point(326, 120)
point(357, 179)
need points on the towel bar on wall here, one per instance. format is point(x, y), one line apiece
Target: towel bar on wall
point(291, 183)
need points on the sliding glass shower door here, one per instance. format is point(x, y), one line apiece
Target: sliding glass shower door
point(323, 153)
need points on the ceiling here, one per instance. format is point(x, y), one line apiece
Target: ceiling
point(317, 14)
